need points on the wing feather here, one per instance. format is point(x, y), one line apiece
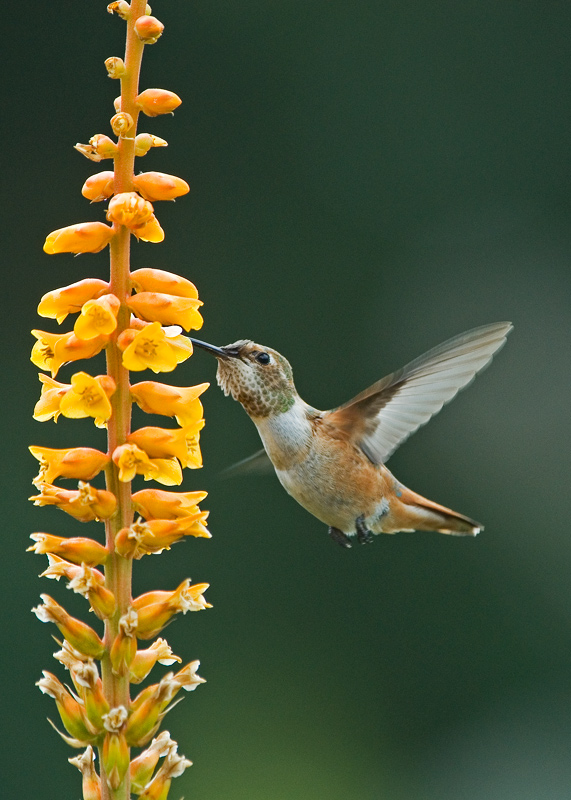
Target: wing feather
point(384, 415)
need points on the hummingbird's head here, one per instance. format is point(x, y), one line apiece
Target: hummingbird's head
point(258, 377)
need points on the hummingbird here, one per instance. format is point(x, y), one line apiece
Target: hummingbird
point(333, 462)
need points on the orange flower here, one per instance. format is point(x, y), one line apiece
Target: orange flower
point(159, 280)
point(165, 443)
point(77, 549)
point(84, 580)
point(48, 406)
point(148, 29)
point(88, 397)
point(167, 309)
point(54, 349)
point(155, 609)
point(131, 461)
point(129, 209)
point(58, 303)
point(159, 504)
point(81, 463)
point(156, 535)
point(153, 102)
point(84, 237)
point(151, 231)
point(99, 147)
point(98, 317)
point(84, 503)
point(160, 186)
point(143, 663)
point(153, 348)
point(98, 187)
point(170, 401)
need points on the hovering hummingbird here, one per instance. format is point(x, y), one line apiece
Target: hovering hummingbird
point(333, 462)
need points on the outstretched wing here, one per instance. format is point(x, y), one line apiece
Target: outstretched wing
point(385, 414)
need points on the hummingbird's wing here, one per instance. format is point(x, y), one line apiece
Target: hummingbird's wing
point(384, 415)
point(258, 462)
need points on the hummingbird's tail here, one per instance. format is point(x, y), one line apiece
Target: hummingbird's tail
point(420, 514)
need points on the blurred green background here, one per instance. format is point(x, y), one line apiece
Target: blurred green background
point(368, 179)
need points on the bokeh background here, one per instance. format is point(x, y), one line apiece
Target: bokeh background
point(368, 179)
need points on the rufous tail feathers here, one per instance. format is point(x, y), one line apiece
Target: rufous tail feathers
point(425, 515)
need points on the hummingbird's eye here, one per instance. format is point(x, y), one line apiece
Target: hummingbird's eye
point(263, 358)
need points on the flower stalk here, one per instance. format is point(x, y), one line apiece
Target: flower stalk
point(134, 317)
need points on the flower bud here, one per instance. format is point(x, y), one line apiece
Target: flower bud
point(91, 785)
point(129, 209)
point(58, 303)
point(167, 309)
point(153, 102)
point(98, 187)
point(115, 754)
point(145, 660)
point(124, 647)
point(70, 710)
point(77, 549)
point(115, 67)
point(159, 280)
point(145, 717)
point(85, 504)
point(84, 237)
point(160, 186)
point(121, 123)
point(151, 231)
point(98, 318)
point(148, 29)
point(159, 504)
point(80, 636)
point(170, 401)
point(172, 767)
point(81, 463)
point(99, 147)
point(121, 8)
point(144, 142)
point(152, 348)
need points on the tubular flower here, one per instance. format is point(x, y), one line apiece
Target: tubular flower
point(83, 237)
point(81, 463)
point(155, 186)
point(152, 348)
point(76, 549)
point(131, 461)
point(138, 318)
point(156, 608)
point(70, 299)
point(52, 350)
point(85, 503)
point(159, 504)
point(167, 309)
point(98, 318)
point(170, 401)
point(153, 102)
point(98, 187)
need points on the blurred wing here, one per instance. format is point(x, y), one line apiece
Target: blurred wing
point(259, 463)
point(385, 414)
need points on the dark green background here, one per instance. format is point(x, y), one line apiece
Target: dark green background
point(368, 179)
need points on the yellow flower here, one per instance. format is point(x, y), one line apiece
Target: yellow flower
point(100, 146)
point(84, 580)
point(98, 317)
point(81, 463)
point(160, 186)
point(154, 609)
point(99, 186)
point(131, 461)
point(170, 401)
point(54, 349)
point(48, 406)
point(77, 549)
point(156, 535)
point(165, 443)
point(79, 635)
point(167, 309)
point(144, 142)
point(153, 102)
point(84, 503)
point(152, 348)
point(84, 237)
point(159, 504)
point(129, 209)
point(70, 299)
point(159, 280)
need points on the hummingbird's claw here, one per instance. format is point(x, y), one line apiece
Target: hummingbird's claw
point(364, 535)
point(340, 537)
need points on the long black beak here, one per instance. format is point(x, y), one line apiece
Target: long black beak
point(219, 352)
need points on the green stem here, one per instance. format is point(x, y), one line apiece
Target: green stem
point(118, 569)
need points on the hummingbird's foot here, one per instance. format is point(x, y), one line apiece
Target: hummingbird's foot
point(364, 535)
point(340, 537)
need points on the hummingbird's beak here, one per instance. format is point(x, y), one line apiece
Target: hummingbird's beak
point(220, 352)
